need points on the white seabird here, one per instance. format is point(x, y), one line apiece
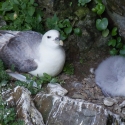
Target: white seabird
point(32, 52)
point(110, 76)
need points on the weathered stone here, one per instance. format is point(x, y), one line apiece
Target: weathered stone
point(67, 111)
point(56, 89)
point(116, 11)
point(20, 97)
point(108, 101)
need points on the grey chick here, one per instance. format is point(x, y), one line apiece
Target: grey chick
point(110, 76)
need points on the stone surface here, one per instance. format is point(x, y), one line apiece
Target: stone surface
point(108, 101)
point(20, 98)
point(116, 11)
point(67, 111)
point(56, 89)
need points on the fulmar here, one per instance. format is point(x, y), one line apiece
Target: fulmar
point(110, 76)
point(32, 52)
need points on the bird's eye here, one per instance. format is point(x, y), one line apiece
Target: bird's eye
point(48, 36)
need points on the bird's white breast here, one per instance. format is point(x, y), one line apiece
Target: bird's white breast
point(50, 61)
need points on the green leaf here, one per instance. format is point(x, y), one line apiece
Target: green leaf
point(101, 9)
point(66, 23)
point(25, 1)
point(94, 9)
point(38, 17)
point(122, 52)
point(68, 30)
point(28, 27)
point(101, 24)
point(98, 1)
point(118, 39)
point(114, 31)
point(77, 31)
point(46, 76)
point(119, 45)
point(68, 69)
point(54, 80)
point(6, 6)
point(23, 6)
point(31, 1)
point(83, 2)
point(113, 51)
point(112, 42)
point(31, 10)
point(60, 25)
point(105, 32)
point(16, 2)
point(63, 36)
point(3, 83)
point(28, 19)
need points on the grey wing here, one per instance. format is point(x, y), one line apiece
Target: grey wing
point(20, 51)
point(33, 39)
point(29, 37)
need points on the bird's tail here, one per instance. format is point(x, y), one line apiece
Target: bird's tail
point(21, 78)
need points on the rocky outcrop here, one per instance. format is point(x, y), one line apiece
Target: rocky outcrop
point(116, 11)
point(20, 98)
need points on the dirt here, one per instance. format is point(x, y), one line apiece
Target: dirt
point(82, 84)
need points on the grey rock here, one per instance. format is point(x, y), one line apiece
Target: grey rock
point(56, 89)
point(122, 104)
point(108, 101)
point(116, 11)
point(20, 98)
point(66, 111)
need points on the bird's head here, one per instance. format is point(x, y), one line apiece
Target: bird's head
point(52, 38)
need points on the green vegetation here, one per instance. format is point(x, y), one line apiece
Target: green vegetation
point(99, 8)
point(8, 115)
point(83, 2)
point(101, 23)
point(117, 47)
point(64, 26)
point(39, 82)
point(68, 69)
point(21, 15)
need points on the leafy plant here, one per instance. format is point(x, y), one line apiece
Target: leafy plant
point(116, 43)
point(8, 115)
point(99, 8)
point(83, 2)
point(114, 31)
point(21, 15)
point(68, 69)
point(4, 77)
point(39, 81)
point(101, 24)
point(64, 26)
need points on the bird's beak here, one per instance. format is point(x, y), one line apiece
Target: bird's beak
point(58, 41)
point(61, 43)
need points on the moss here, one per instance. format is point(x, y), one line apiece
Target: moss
point(81, 12)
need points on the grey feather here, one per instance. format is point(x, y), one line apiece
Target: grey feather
point(20, 50)
point(110, 76)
